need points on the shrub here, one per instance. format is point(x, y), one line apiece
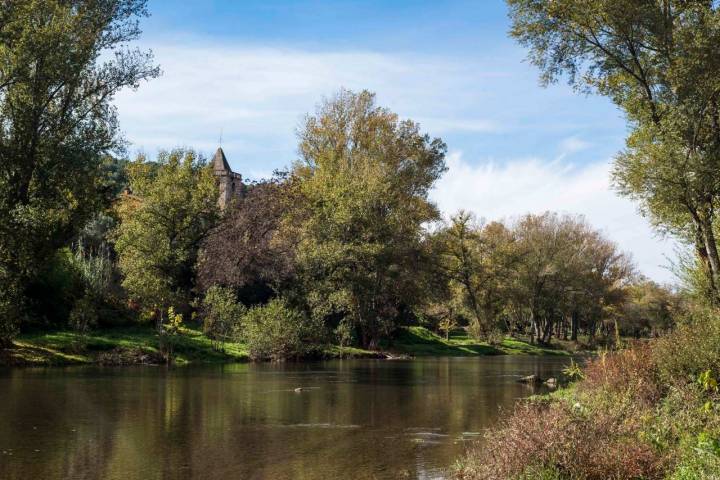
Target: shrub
point(558, 440)
point(700, 461)
point(692, 349)
point(169, 331)
point(276, 331)
point(651, 411)
point(632, 372)
point(222, 316)
point(83, 316)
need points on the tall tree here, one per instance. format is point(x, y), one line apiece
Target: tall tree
point(252, 249)
point(659, 62)
point(476, 260)
point(56, 122)
point(365, 175)
point(171, 206)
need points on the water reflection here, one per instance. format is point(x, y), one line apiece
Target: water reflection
point(352, 419)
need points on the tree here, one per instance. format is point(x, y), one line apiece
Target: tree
point(566, 269)
point(649, 309)
point(56, 122)
point(252, 249)
point(659, 62)
point(365, 176)
point(475, 260)
point(542, 274)
point(222, 315)
point(171, 207)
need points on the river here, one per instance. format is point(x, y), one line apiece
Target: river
point(352, 419)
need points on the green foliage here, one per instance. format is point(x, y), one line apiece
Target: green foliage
point(547, 275)
point(276, 331)
point(474, 265)
point(659, 62)
point(95, 271)
point(365, 176)
point(164, 220)
point(56, 123)
point(169, 331)
point(542, 473)
point(573, 371)
point(700, 459)
point(708, 382)
point(83, 316)
point(700, 349)
point(344, 333)
point(222, 316)
point(650, 411)
point(447, 325)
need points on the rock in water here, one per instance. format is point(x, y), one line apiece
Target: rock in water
point(531, 379)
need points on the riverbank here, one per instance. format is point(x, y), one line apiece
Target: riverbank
point(650, 411)
point(139, 344)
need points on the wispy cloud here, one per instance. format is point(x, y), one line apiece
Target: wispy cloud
point(256, 96)
point(571, 145)
point(506, 190)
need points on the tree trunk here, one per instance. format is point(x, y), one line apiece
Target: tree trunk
point(534, 328)
point(574, 327)
point(548, 330)
point(713, 260)
point(706, 249)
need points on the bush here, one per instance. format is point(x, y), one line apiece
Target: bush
point(692, 349)
point(563, 441)
point(222, 316)
point(83, 316)
point(275, 331)
point(701, 460)
point(651, 411)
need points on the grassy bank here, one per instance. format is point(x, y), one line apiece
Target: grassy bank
point(421, 342)
point(133, 345)
point(116, 346)
point(651, 411)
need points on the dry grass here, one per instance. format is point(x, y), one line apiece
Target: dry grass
point(640, 413)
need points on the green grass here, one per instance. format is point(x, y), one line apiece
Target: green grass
point(130, 344)
point(421, 342)
point(60, 347)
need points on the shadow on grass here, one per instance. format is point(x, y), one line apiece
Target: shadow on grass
point(421, 342)
point(61, 347)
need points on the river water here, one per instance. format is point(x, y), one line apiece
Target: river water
point(353, 419)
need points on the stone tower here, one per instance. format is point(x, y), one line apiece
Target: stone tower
point(229, 183)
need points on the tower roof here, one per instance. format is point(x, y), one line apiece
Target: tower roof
point(220, 163)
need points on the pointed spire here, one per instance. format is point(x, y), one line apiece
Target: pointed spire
point(220, 163)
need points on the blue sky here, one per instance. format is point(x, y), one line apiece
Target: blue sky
point(252, 69)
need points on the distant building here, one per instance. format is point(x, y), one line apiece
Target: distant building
point(229, 183)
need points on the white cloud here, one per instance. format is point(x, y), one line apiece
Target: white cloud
point(571, 145)
point(256, 96)
point(503, 191)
